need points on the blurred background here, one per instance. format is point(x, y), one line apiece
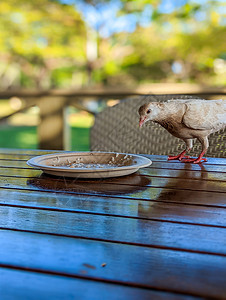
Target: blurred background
point(72, 58)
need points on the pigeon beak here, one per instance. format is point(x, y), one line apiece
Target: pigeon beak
point(142, 120)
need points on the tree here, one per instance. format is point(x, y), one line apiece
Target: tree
point(38, 38)
point(51, 43)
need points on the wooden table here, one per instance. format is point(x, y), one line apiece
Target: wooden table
point(156, 234)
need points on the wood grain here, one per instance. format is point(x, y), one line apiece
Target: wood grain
point(83, 259)
point(27, 284)
point(204, 214)
point(149, 233)
point(156, 234)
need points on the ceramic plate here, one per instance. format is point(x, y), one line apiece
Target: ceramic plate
point(89, 164)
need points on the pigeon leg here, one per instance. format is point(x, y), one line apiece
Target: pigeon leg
point(179, 156)
point(200, 158)
point(182, 154)
point(205, 145)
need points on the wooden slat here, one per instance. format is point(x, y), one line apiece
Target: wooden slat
point(105, 91)
point(108, 185)
point(163, 173)
point(165, 167)
point(92, 188)
point(185, 174)
point(163, 158)
point(128, 184)
point(33, 152)
point(189, 166)
point(6, 153)
point(187, 183)
point(25, 284)
point(18, 172)
point(182, 169)
point(109, 206)
point(167, 235)
point(124, 264)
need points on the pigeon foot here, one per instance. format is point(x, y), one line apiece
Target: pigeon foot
point(197, 160)
point(194, 160)
point(178, 157)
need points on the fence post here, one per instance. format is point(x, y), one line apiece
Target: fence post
point(52, 127)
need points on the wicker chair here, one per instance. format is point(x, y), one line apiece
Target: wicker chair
point(116, 129)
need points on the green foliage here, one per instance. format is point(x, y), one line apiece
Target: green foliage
point(39, 38)
point(132, 6)
point(182, 38)
point(43, 44)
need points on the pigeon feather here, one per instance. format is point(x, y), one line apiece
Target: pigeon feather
point(187, 119)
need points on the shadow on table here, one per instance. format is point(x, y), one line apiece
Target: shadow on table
point(111, 186)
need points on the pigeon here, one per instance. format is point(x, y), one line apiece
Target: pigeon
point(187, 119)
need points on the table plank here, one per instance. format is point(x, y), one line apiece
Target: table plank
point(188, 167)
point(21, 284)
point(150, 210)
point(168, 166)
point(164, 158)
point(185, 174)
point(160, 162)
point(130, 181)
point(83, 259)
point(32, 152)
point(9, 152)
point(164, 173)
point(123, 189)
point(148, 233)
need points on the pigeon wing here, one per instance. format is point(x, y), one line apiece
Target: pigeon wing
point(205, 115)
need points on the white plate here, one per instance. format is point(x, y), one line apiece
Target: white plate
point(89, 164)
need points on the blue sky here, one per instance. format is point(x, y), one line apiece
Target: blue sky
point(104, 18)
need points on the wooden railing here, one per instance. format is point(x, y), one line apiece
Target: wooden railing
point(53, 132)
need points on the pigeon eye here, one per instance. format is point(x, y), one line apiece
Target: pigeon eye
point(148, 111)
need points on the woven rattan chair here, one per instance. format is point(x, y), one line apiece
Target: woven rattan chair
point(116, 129)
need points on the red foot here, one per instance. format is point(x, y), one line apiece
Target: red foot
point(178, 157)
point(198, 160)
point(194, 160)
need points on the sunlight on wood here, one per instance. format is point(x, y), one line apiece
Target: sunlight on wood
point(112, 102)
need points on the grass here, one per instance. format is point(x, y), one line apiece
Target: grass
point(80, 139)
point(25, 137)
point(21, 130)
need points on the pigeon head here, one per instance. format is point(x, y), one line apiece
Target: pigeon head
point(149, 112)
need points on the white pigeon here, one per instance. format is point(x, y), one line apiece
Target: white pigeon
point(187, 119)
